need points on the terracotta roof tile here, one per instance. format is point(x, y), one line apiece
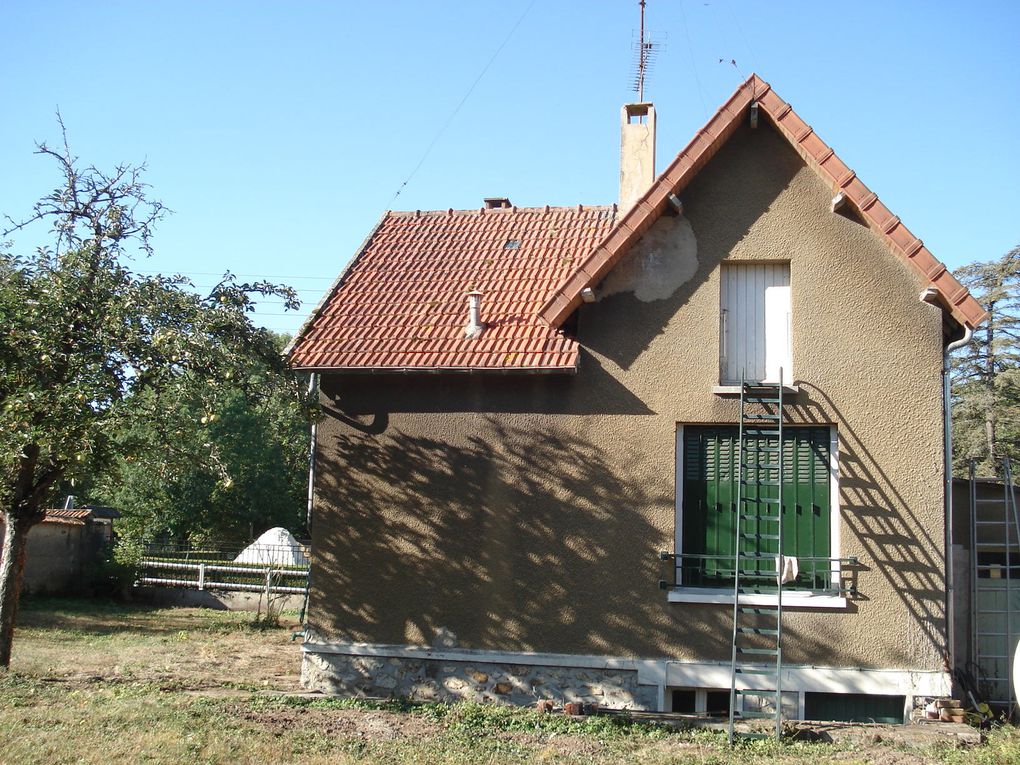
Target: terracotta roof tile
point(955, 298)
point(73, 517)
point(402, 301)
point(74, 513)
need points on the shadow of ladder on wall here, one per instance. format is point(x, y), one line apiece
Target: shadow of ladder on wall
point(757, 645)
point(995, 588)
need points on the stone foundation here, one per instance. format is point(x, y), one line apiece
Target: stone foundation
point(427, 679)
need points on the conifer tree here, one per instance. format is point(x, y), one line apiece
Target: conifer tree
point(986, 372)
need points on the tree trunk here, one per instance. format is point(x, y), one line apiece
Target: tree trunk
point(12, 572)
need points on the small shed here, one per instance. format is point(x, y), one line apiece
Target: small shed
point(65, 546)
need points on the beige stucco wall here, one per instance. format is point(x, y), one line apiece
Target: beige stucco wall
point(53, 558)
point(525, 513)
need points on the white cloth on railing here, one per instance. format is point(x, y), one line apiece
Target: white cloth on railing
point(787, 568)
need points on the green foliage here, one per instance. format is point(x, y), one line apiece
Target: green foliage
point(104, 369)
point(198, 473)
point(986, 372)
point(99, 364)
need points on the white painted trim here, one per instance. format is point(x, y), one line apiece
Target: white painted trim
point(672, 673)
point(812, 679)
point(791, 598)
point(678, 504)
point(734, 390)
point(835, 515)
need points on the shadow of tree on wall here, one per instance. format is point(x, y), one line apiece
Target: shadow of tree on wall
point(525, 539)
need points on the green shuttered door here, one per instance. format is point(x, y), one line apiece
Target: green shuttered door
point(710, 456)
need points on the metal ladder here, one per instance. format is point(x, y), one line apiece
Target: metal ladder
point(994, 622)
point(757, 559)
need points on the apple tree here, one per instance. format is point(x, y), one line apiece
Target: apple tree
point(88, 346)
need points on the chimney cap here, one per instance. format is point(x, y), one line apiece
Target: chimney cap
point(496, 203)
point(475, 293)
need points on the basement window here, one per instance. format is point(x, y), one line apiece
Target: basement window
point(685, 701)
point(854, 708)
point(717, 703)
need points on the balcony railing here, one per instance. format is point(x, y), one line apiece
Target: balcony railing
point(817, 574)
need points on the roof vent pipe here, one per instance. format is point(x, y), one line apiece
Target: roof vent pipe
point(474, 326)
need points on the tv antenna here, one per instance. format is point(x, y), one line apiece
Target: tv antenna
point(646, 51)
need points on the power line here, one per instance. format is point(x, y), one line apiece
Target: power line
point(736, 22)
point(252, 276)
point(456, 110)
point(690, 53)
point(310, 290)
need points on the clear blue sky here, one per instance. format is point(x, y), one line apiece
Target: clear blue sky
point(279, 132)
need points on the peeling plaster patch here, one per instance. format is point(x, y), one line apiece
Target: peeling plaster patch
point(663, 260)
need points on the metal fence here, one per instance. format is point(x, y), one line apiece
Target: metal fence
point(271, 569)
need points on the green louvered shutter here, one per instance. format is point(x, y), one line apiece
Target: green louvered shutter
point(709, 473)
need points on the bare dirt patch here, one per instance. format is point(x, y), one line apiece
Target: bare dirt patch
point(370, 725)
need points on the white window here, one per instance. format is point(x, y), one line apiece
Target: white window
point(755, 331)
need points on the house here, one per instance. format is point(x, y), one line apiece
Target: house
point(65, 547)
point(525, 406)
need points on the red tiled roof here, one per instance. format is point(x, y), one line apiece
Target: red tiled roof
point(401, 304)
point(954, 297)
point(73, 517)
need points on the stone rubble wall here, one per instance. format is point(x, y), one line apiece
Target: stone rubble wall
point(446, 680)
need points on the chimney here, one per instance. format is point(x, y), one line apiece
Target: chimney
point(474, 326)
point(637, 152)
point(496, 203)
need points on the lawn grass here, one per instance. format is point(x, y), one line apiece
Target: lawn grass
point(108, 683)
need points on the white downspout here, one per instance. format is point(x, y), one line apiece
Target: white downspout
point(947, 409)
point(313, 388)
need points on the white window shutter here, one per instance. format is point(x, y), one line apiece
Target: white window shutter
point(755, 336)
point(778, 354)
